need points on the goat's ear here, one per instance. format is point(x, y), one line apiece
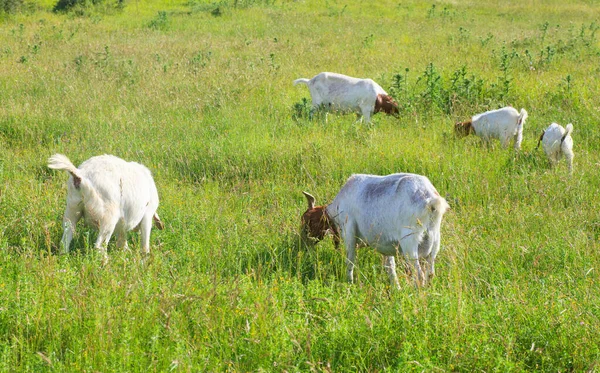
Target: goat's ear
point(378, 104)
point(310, 199)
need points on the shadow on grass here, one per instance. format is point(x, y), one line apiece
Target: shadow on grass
point(526, 161)
point(292, 257)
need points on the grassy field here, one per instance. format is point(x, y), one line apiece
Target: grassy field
point(201, 93)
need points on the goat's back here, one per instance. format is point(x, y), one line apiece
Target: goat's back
point(387, 203)
point(553, 135)
point(129, 185)
point(498, 115)
point(343, 90)
point(496, 123)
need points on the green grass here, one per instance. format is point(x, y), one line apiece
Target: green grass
point(205, 99)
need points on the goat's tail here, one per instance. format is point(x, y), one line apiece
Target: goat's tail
point(438, 206)
point(519, 131)
point(522, 117)
point(301, 80)
point(80, 182)
point(569, 130)
point(61, 162)
point(157, 222)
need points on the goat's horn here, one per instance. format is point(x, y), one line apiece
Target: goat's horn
point(310, 199)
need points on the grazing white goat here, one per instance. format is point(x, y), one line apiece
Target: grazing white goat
point(557, 142)
point(111, 194)
point(344, 93)
point(398, 212)
point(502, 124)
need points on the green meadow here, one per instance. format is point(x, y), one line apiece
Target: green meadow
point(201, 93)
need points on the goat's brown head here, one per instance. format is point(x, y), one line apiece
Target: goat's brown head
point(386, 104)
point(316, 223)
point(463, 129)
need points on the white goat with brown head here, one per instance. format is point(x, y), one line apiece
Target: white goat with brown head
point(502, 124)
point(339, 92)
point(392, 214)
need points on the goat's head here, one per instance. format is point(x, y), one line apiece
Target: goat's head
point(386, 104)
point(316, 223)
point(463, 129)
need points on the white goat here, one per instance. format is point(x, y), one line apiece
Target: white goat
point(111, 194)
point(388, 213)
point(557, 142)
point(502, 124)
point(344, 93)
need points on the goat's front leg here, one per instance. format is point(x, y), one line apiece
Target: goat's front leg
point(105, 231)
point(122, 238)
point(311, 113)
point(390, 266)
point(350, 241)
point(366, 113)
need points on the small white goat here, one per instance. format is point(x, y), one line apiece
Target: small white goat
point(111, 194)
point(387, 213)
point(557, 142)
point(344, 93)
point(502, 124)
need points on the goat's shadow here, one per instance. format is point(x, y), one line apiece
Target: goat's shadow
point(48, 239)
point(292, 257)
point(298, 259)
point(526, 161)
point(83, 242)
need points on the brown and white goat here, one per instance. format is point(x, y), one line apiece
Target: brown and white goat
point(393, 213)
point(502, 124)
point(344, 93)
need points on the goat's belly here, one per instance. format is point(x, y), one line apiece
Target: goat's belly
point(387, 248)
point(90, 221)
point(343, 107)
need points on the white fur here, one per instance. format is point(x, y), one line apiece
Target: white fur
point(112, 195)
point(343, 93)
point(502, 124)
point(555, 147)
point(390, 213)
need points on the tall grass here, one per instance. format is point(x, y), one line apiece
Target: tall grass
point(204, 99)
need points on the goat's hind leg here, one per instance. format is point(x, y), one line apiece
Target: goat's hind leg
point(72, 215)
point(410, 248)
point(145, 228)
point(431, 258)
point(105, 231)
point(121, 236)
